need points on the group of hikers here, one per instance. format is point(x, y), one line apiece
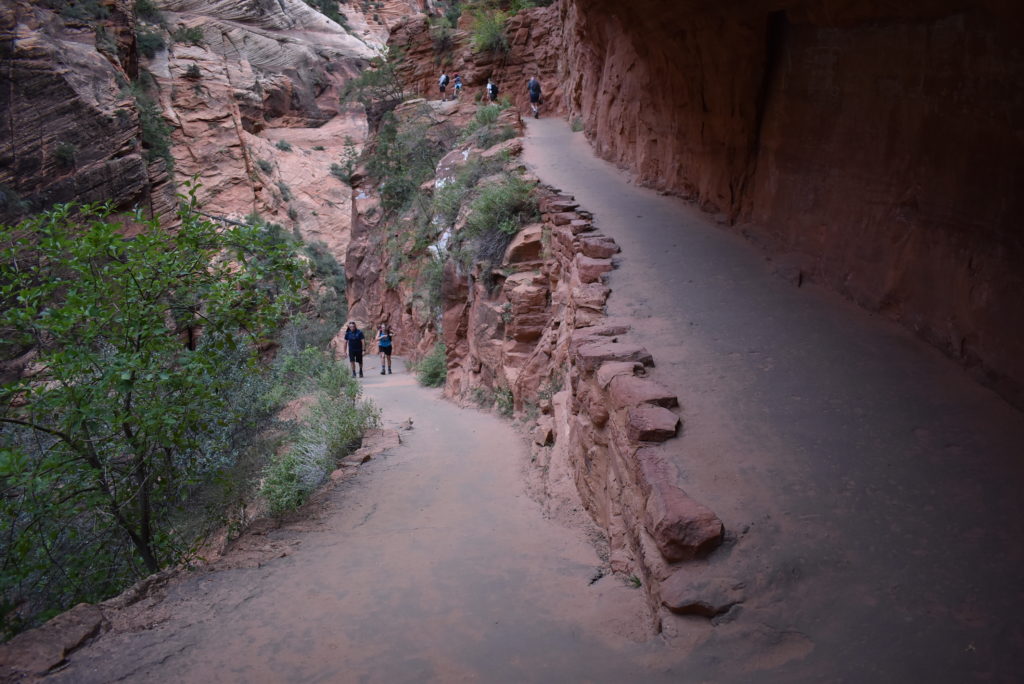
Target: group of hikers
point(532, 87)
point(354, 339)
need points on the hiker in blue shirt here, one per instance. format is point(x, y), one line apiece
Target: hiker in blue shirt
point(354, 347)
point(384, 338)
point(535, 101)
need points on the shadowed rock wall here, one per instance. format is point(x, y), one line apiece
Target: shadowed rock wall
point(875, 147)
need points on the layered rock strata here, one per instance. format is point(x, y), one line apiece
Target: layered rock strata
point(872, 147)
point(67, 130)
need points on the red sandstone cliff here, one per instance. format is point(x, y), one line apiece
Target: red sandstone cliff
point(875, 146)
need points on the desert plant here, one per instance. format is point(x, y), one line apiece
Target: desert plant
point(283, 145)
point(433, 368)
point(489, 31)
point(378, 89)
point(190, 35)
point(148, 42)
point(65, 154)
point(156, 135)
point(147, 10)
point(577, 124)
point(504, 401)
point(286, 192)
point(502, 206)
point(264, 165)
point(193, 72)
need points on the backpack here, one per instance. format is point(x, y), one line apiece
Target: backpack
point(534, 87)
point(493, 90)
point(444, 79)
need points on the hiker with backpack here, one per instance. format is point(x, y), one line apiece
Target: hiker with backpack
point(443, 83)
point(458, 87)
point(533, 86)
point(492, 90)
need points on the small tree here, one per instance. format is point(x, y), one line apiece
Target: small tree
point(135, 341)
point(379, 88)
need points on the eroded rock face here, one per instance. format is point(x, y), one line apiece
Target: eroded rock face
point(67, 132)
point(875, 146)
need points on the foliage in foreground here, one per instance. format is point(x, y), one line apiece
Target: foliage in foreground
point(142, 379)
point(334, 424)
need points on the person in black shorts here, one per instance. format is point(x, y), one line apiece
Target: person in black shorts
point(384, 338)
point(534, 87)
point(354, 347)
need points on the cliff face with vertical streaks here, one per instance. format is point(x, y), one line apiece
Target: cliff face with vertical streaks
point(873, 148)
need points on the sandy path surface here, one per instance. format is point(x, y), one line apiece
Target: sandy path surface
point(432, 564)
point(874, 492)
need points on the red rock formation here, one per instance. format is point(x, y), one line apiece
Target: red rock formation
point(67, 132)
point(535, 39)
point(875, 145)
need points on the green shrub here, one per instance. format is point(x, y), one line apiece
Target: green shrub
point(293, 213)
point(433, 368)
point(82, 10)
point(102, 461)
point(264, 165)
point(577, 124)
point(190, 35)
point(283, 145)
point(147, 10)
point(156, 135)
point(504, 401)
point(489, 32)
point(318, 148)
point(332, 427)
point(149, 42)
point(193, 72)
point(65, 154)
point(502, 206)
point(286, 192)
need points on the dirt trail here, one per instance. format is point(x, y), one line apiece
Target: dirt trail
point(874, 490)
point(432, 564)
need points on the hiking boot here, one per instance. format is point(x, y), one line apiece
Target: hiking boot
point(353, 374)
point(389, 370)
point(382, 371)
point(360, 373)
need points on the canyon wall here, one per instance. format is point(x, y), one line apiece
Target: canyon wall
point(873, 147)
point(68, 131)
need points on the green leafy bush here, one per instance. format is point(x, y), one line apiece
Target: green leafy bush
point(264, 165)
point(190, 35)
point(378, 88)
point(147, 10)
point(149, 42)
point(65, 153)
point(148, 348)
point(504, 401)
point(502, 206)
point(156, 135)
point(283, 145)
point(333, 426)
point(193, 72)
point(489, 31)
point(433, 368)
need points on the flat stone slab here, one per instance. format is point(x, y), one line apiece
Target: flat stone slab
point(592, 354)
point(629, 390)
point(648, 423)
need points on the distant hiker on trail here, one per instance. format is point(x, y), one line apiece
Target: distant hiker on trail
point(492, 90)
point(384, 338)
point(354, 347)
point(443, 83)
point(533, 85)
point(458, 86)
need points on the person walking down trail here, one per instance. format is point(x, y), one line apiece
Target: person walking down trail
point(443, 83)
point(457, 84)
point(492, 90)
point(384, 338)
point(354, 347)
point(533, 85)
